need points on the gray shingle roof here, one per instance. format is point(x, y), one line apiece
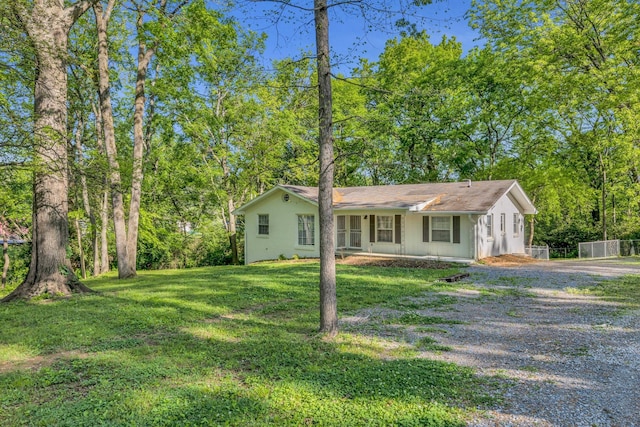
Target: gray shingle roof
point(478, 197)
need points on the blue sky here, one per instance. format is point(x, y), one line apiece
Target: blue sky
point(290, 31)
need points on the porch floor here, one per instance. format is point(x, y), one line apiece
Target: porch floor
point(355, 252)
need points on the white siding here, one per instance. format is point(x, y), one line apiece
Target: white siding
point(391, 248)
point(415, 245)
point(283, 229)
point(501, 243)
point(474, 242)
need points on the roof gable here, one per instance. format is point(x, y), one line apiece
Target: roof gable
point(305, 193)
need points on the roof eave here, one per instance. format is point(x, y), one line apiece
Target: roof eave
point(241, 210)
point(523, 199)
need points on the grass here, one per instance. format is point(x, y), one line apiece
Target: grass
point(624, 290)
point(225, 346)
point(431, 344)
point(413, 318)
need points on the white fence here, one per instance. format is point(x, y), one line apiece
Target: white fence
point(599, 249)
point(537, 252)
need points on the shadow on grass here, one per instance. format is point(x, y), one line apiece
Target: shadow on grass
point(232, 346)
point(259, 380)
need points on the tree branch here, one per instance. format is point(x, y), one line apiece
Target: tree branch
point(75, 11)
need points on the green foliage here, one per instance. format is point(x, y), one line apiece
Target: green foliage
point(222, 346)
point(578, 65)
point(431, 344)
point(625, 290)
point(163, 245)
point(552, 99)
point(418, 319)
point(20, 256)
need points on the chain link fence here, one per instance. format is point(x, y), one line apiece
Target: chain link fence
point(537, 252)
point(563, 252)
point(599, 249)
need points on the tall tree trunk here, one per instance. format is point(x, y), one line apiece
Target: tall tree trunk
point(532, 227)
point(144, 58)
point(101, 253)
point(50, 271)
point(125, 268)
point(85, 199)
point(604, 196)
point(233, 241)
point(83, 268)
point(104, 226)
point(328, 299)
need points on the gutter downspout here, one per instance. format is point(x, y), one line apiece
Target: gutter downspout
point(475, 237)
point(244, 253)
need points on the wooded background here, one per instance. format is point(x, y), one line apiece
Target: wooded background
point(173, 121)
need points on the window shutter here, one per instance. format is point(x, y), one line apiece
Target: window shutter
point(425, 228)
point(372, 228)
point(398, 231)
point(456, 229)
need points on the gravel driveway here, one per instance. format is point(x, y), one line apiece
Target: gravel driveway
point(566, 358)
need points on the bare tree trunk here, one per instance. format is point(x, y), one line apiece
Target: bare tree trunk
point(101, 253)
point(604, 197)
point(85, 201)
point(233, 241)
point(104, 226)
point(83, 268)
point(328, 299)
point(125, 269)
point(144, 58)
point(50, 271)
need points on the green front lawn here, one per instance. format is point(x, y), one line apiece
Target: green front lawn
point(224, 346)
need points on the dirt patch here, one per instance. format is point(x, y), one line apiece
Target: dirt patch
point(38, 362)
point(508, 260)
point(393, 262)
point(498, 261)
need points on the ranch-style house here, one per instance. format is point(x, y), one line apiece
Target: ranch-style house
point(459, 220)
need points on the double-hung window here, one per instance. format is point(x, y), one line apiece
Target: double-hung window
point(516, 224)
point(263, 225)
point(306, 230)
point(384, 228)
point(503, 224)
point(441, 228)
point(489, 225)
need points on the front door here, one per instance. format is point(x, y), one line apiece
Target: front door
point(348, 231)
point(355, 232)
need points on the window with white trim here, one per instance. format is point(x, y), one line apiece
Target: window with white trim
point(441, 229)
point(263, 224)
point(489, 225)
point(516, 224)
point(503, 223)
point(306, 230)
point(384, 229)
point(341, 231)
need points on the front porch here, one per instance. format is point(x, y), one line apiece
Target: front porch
point(343, 253)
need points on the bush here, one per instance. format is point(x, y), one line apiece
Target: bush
point(161, 247)
point(20, 257)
